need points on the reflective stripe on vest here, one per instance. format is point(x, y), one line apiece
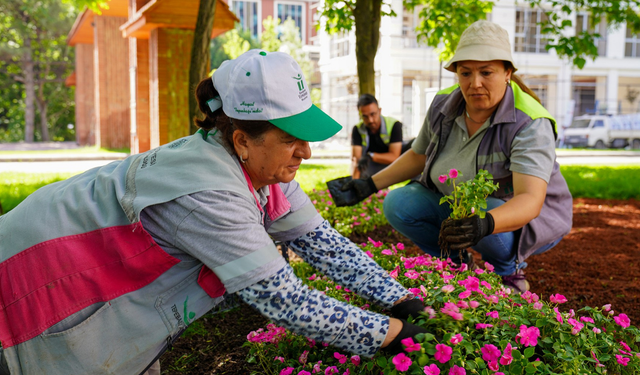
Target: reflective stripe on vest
point(385, 131)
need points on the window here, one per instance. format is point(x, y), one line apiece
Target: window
point(247, 12)
point(584, 23)
point(294, 11)
point(528, 35)
point(340, 44)
point(632, 44)
point(598, 124)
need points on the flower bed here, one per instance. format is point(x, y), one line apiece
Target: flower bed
point(475, 325)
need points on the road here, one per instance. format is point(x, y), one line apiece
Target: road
point(76, 166)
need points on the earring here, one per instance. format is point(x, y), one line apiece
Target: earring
point(241, 159)
point(508, 82)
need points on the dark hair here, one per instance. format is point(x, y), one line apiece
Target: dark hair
point(518, 80)
point(219, 120)
point(366, 99)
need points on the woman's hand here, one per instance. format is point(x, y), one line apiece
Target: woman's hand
point(466, 232)
point(398, 331)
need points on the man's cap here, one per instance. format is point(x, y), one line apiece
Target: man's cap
point(482, 41)
point(270, 86)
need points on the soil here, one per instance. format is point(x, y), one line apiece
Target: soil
point(595, 264)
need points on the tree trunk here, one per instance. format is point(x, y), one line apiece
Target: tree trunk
point(367, 21)
point(30, 91)
point(200, 55)
point(44, 125)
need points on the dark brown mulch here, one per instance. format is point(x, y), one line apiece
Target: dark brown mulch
point(595, 264)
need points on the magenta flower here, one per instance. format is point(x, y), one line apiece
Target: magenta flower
point(432, 369)
point(442, 178)
point(355, 360)
point(507, 358)
point(557, 298)
point(493, 365)
point(400, 246)
point(412, 274)
point(317, 368)
point(455, 370)
point(456, 339)
point(538, 305)
point(474, 304)
point(625, 346)
point(410, 346)
point(331, 370)
point(586, 319)
point(471, 283)
point(453, 173)
point(558, 315)
point(528, 336)
point(387, 252)
point(622, 320)
point(452, 310)
point(369, 254)
point(606, 307)
point(596, 330)
point(577, 326)
point(303, 372)
point(281, 359)
point(483, 326)
point(490, 352)
point(622, 360)
point(493, 314)
point(287, 371)
point(443, 353)
point(489, 266)
point(402, 362)
point(340, 357)
point(303, 357)
point(484, 283)
point(462, 304)
point(374, 243)
point(465, 294)
point(598, 364)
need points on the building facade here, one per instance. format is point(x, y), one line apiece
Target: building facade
point(408, 74)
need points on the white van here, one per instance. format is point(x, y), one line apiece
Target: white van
point(602, 131)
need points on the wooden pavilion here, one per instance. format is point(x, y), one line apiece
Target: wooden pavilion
point(132, 71)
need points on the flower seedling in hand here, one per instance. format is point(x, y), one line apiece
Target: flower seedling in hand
point(470, 197)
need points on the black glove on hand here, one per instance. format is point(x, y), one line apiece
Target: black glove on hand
point(346, 192)
point(463, 233)
point(363, 163)
point(406, 309)
point(408, 330)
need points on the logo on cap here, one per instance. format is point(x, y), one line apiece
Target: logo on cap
point(300, 82)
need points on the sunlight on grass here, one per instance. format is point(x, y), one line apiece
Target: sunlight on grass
point(16, 186)
point(619, 182)
point(80, 150)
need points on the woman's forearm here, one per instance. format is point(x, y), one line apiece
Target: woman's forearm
point(407, 166)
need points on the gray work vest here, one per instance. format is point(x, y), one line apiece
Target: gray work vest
point(516, 110)
point(84, 289)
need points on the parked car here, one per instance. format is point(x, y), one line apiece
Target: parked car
point(602, 131)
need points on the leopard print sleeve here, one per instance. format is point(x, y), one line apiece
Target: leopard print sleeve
point(288, 303)
point(341, 260)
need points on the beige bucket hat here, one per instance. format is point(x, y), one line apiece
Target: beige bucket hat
point(482, 41)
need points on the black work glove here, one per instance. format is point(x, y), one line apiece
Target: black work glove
point(462, 233)
point(346, 191)
point(406, 309)
point(408, 330)
point(363, 163)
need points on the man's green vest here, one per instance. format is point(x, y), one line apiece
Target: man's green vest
point(385, 132)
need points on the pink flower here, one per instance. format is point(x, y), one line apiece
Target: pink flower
point(287, 371)
point(355, 360)
point(483, 326)
point(402, 362)
point(586, 319)
point(471, 283)
point(448, 288)
point(331, 370)
point(507, 358)
point(622, 360)
point(387, 252)
point(598, 364)
point(412, 274)
point(479, 271)
point(558, 315)
point(493, 314)
point(443, 353)
point(394, 273)
point(451, 310)
point(281, 359)
point(462, 304)
point(485, 284)
point(456, 339)
point(474, 304)
point(400, 246)
point(340, 357)
point(453, 173)
point(538, 305)
point(465, 294)
point(490, 352)
point(303, 357)
point(410, 346)
point(625, 346)
point(432, 369)
point(622, 320)
point(442, 178)
point(557, 298)
point(303, 372)
point(455, 370)
point(596, 330)
point(606, 307)
point(316, 367)
point(489, 266)
point(369, 253)
point(493, 365)
point(577, 326)
point(528, 336)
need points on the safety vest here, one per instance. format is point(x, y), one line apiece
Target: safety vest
point(516, 110)
point(84, 289)
point(385, 132)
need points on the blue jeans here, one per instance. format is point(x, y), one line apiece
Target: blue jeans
point(414, 211)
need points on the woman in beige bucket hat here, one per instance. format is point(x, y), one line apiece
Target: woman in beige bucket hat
point(490, 120)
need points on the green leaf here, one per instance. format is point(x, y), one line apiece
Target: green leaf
point(382, 362)
point(423, 360)
point(529, 352)
point(530, 369)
